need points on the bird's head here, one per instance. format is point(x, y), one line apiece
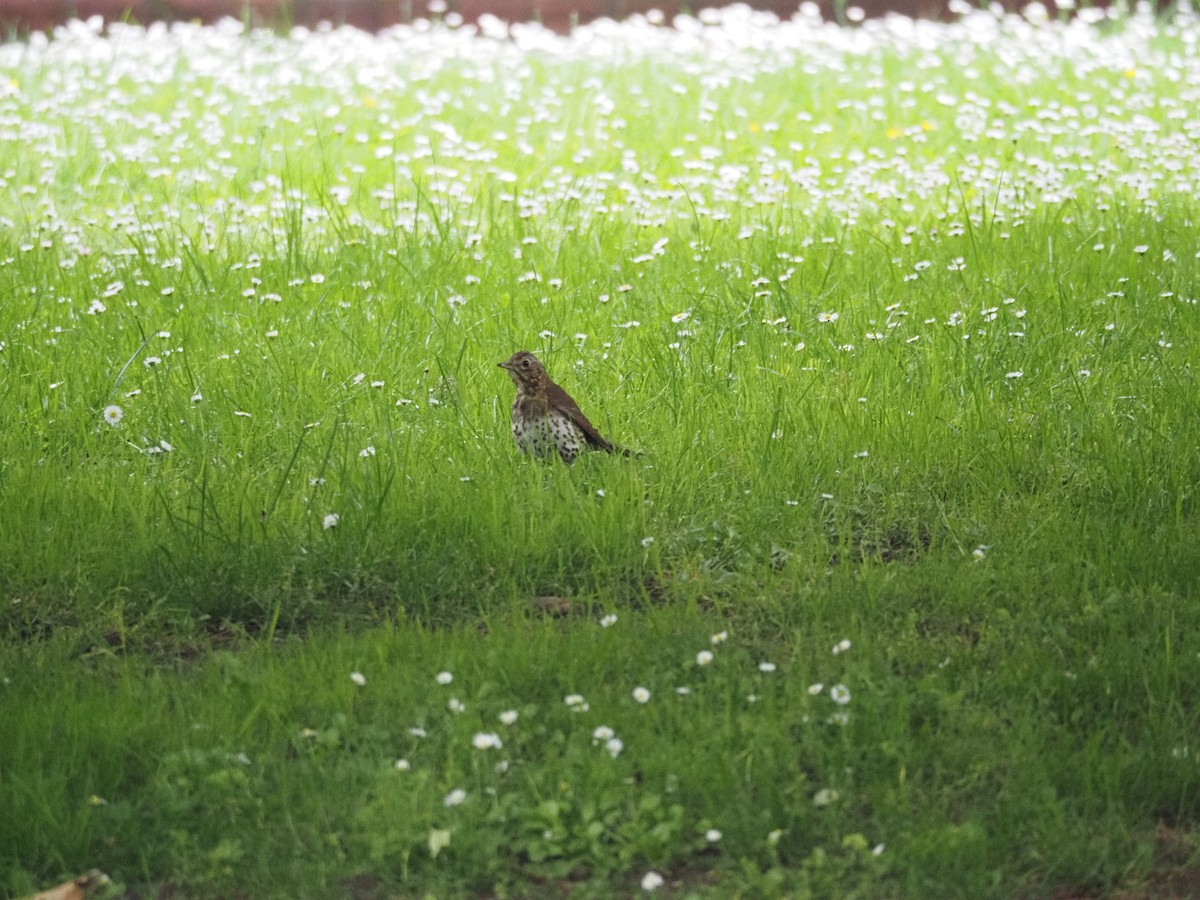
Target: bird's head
point(525, 370)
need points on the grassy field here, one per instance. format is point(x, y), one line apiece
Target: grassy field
point(899, 599)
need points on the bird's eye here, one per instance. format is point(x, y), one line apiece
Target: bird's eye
point(525, 363)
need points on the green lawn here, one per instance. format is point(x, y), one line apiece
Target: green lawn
point(899, 599)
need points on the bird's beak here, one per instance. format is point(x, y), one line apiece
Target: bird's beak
point(505, 365)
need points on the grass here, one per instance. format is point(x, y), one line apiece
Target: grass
point(902, 322)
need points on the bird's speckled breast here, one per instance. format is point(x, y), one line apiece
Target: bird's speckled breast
point(542, 432)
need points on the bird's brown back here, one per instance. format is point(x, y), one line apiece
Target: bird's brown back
point(561, 400)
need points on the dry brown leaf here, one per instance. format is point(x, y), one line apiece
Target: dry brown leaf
point(76, 889)
point(554, 606)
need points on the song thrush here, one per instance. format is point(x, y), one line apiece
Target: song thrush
point(544, 417)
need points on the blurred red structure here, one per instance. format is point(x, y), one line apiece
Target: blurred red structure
point(21, 16)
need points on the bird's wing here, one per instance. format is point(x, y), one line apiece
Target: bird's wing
point(562, 400)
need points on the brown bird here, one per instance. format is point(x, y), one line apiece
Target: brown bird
point(544, 417)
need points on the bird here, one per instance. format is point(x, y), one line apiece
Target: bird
point(544, 417)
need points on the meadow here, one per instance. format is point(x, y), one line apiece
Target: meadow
point(899, 599)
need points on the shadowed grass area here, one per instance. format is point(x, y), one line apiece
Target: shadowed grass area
point(273, 762)
point(898, 599)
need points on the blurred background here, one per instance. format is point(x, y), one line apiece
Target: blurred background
point(21, 16)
